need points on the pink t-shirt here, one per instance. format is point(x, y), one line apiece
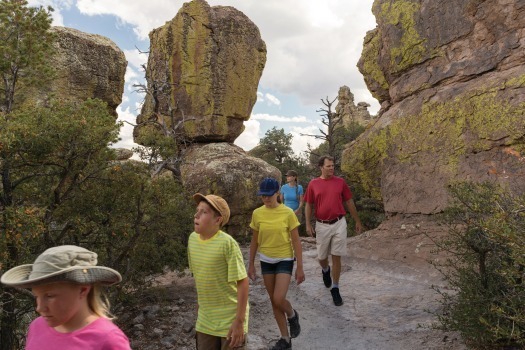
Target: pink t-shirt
point(328, 196)
point(101, 334)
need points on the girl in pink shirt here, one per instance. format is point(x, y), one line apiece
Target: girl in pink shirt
point(74, 315)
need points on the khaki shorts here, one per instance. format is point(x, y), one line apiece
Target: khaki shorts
point(330, 239)
point(205, 341)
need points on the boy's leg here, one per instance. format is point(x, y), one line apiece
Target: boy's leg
point(207, 342)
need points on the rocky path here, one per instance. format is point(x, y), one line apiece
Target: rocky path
point(385, 308)
point(385, 285)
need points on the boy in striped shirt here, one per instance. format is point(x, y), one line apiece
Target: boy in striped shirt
point(217, 265)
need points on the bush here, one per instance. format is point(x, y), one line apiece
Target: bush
point(485, 266)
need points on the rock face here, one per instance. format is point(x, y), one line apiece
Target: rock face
point(203, 70)
point(226, 170)
point(347, 107)
point(450, 77)
point(86, 66)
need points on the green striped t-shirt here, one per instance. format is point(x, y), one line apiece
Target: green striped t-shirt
point(217, 265)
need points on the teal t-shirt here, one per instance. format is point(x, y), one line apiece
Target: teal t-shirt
point(292, 195)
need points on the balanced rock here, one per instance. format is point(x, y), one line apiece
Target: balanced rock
point(450, 77)
point(203, 71)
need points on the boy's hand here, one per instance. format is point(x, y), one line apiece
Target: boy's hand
point(236, 334)
point(251, 272)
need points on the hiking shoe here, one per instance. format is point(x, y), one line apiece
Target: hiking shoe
point(326, 278)
point(338, 301)
point(282, 345)
point(295, 327)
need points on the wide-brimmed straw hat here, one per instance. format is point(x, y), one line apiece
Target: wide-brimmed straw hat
point(63, 263)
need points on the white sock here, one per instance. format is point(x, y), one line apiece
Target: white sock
point(293, 314)
point(287, 339)
point(335, 285)
point(326, 270)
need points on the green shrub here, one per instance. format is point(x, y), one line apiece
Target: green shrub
point(485, 267)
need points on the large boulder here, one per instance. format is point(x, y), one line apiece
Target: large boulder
point(450, 77)
point(203, 71)
point(85, 66)
point(226, 170)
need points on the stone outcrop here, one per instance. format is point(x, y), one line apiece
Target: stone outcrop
point(450, 77)
point(203, 71)
point(86, 66)
point(226, 170)
point(349, 110)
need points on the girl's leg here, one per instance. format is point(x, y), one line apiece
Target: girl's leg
point(277, 287)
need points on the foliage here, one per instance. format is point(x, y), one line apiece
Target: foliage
point(341, 136)
point(61, 185)
point(275, 148)
point(25, 45)
point(486, 266)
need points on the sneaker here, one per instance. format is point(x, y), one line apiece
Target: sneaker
point(338, 301)
point(326, 278)
point(295, 327)
point(282, 345)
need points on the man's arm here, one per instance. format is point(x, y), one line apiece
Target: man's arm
point(308, 216)
point(353, 212)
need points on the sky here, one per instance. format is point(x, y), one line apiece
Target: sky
point(312, 49)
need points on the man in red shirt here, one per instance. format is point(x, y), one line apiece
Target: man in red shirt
point(326, 195)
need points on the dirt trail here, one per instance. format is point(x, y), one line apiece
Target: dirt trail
point(385, 284)
point(385, 303)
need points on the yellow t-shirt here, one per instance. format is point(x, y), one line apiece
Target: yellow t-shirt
point(217, 264)
point(274, 226)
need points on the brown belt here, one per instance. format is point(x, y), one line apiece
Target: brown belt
point(333, 221)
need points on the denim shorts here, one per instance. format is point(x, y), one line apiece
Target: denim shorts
point(285, 266)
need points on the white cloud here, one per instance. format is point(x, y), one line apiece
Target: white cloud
point(136, 58)
point(300, 141)
point(57, 5)
point(250, 136)
point(313, 47)
point(272, 100)
point(126, 132)
point(280, 119)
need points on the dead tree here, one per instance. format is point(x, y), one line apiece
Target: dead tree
point(333, 121)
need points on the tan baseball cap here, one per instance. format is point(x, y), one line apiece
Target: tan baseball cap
point(218, 203)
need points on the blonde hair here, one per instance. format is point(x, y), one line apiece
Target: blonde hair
point(99, 303)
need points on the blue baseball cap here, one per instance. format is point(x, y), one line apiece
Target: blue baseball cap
point(268, 187)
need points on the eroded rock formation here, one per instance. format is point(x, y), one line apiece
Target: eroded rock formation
point(226, 170)
point(349, 110)
point(203, 71)
point(450, 77)
point(86, 66)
